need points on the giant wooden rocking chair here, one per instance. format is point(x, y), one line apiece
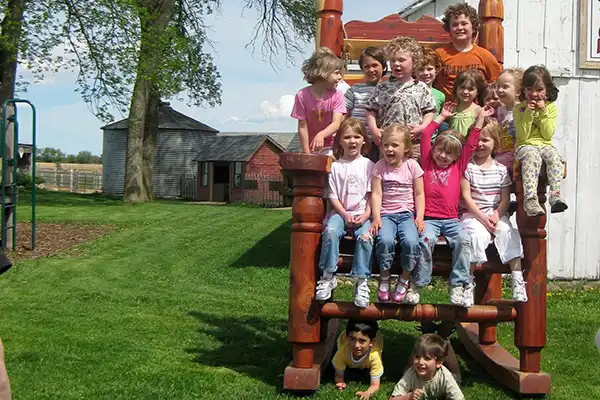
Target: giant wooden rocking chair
point(313, 326)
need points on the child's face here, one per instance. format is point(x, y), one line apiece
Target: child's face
point(492, 99)
point(461, 28)
point(401, 64)
point(333, 79)
point(426, 366)
point(507, 90)
point(351, 143)
point(466, 93)
point(536, 92)
point(359, 343)
point(372, 69)
point(427, 74)
point(394, 149)
point(442, 158)
point(485, 145)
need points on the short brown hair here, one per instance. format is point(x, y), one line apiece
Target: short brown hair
point(461, 9)
point(321, 64)
point(450, 141)
point(375, 52)
point(408, 44)
point(402, 130)
point(537, 73)
point(431, 345)
point(357, 126)
point(494, 130)
point(430, 57)
point(471, 77)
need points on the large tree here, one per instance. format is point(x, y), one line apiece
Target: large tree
point(131, 53)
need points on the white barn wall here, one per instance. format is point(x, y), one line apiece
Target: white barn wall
point(547, 31)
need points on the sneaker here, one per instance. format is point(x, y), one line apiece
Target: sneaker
point(383, 290)
point(361, 293)
point(532, 207)
point(324, 288)
point(400, 292)
point(412, 296)
point(557, 204)
point(469, 295)
point(456, 295)
point(519, 293)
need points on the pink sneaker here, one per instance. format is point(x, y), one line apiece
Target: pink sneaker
point(383, 295)
point(400, 292)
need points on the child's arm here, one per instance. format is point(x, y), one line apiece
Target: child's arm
point(504, 202)
point(471, 144)
point(376, 192)
point(303, 134)
point(427, 134)
point(418, 188)
point(374, 387)
point(361, 219)
point(349, 100)
point(334, 195)
point(372, 124)
point(339, 380)
point(547, 117)
point(523, 118)
point(465, 191)
point(319, 139)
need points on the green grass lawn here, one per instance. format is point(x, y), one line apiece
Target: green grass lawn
point(190, 302)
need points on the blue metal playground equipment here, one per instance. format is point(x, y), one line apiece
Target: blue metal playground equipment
point(9, 189)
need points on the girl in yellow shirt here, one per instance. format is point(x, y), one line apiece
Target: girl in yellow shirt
point(535, 122)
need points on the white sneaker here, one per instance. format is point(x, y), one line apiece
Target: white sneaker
point(324, 288)
point(456, 295)
point(412, 296)
point(361, 294)
point(469, 295)
point(519, 293)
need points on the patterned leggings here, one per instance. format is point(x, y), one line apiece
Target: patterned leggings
point(531, 158)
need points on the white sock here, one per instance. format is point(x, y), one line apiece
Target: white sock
point(384, 283)
point(516, 275)
point(327, 275)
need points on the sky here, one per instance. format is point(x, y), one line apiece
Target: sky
point(256, 97)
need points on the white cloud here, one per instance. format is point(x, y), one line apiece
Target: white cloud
point(282, 108)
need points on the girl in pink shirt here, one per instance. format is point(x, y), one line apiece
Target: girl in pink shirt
point(444, 165)
point(320, 108)
point(397, 205)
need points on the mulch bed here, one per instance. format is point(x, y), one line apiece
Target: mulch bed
point(52, 238)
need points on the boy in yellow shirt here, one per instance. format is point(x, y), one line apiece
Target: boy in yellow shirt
point(360, 347)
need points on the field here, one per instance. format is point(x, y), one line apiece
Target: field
point(181, 301)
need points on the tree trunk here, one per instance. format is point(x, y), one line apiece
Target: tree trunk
point(149, 141)
point(9, 45)
point(154, 18)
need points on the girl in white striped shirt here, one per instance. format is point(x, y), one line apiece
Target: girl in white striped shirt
point(485, 191)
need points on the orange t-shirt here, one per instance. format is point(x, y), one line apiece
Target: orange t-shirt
point(454, 62)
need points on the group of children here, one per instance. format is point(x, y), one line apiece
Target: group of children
point(428, 152)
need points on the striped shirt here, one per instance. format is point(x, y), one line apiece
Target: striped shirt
point(486, 185)
point(397, 184)
point(355, 98)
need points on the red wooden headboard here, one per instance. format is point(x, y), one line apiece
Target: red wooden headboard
point(349, 39)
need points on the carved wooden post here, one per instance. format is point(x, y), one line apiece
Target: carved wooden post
point(329, 25)
point(530, 326)
point(488, 287)
point(308, 172)
point(491, 32)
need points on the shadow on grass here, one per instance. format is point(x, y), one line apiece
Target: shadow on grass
point(249, 345)
point(272, 251)
point(60, 199)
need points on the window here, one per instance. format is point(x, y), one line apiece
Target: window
point(237, 174)
point(204, 172)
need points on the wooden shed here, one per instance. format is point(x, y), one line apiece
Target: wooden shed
point(178, 141)
point(234, 168)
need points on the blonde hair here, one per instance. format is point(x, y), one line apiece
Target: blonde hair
point(493, 129)
point(517, 74)
point(408, 44)
point(401, 130)
point(357, 126)
point(321, 64)
point(450, 141)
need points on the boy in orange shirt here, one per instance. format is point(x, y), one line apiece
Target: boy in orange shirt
point(462, 23)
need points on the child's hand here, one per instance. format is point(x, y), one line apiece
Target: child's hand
point(415, 131)
point(376, 137)
point(317, 142)
point(364, 395)
point(348, 219)
point(340, 386)
point(531, 105)
point(539, 104)
point(489, 225)
point(420, 224)
point(487, 111)
point(359, 220)
point(375, 226)
point(417, 394)
point(447, 110)
point(494, 218)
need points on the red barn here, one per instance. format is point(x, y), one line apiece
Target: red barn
point(239, 168)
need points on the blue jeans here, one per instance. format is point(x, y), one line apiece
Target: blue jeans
point(330, 247)
point(459, 241)
point(398, 228)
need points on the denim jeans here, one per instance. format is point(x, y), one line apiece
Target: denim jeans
point(330, 247)
point(459, 241)
point(398, 228)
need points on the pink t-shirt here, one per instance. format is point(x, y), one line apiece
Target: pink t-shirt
point(397, 184)
point(318, 113)
point(349, 182)
point(442, 186)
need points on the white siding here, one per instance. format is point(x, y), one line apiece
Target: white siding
point(436, 8)
point(547, 32)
